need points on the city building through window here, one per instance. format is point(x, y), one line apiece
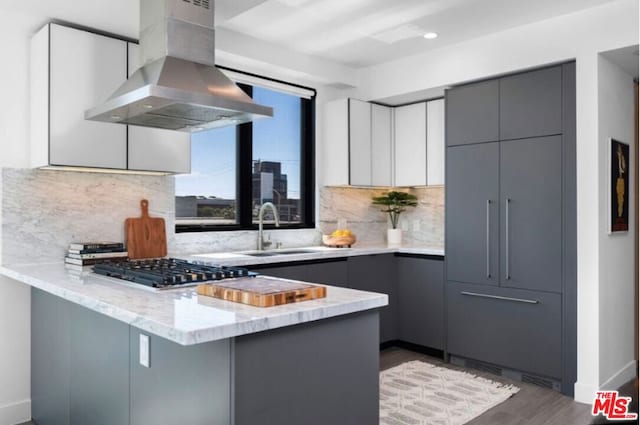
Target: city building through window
point(234, 170)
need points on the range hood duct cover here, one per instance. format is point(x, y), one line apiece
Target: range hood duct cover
point(178, 87)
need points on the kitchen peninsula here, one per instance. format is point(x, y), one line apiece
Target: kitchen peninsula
point(105, 352)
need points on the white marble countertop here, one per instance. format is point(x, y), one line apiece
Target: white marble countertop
point(180, 315)
point(244, 258)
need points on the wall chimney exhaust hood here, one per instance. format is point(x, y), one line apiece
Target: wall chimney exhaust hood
point(178, 87)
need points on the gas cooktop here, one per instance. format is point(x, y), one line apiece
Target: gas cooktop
point(168, 273)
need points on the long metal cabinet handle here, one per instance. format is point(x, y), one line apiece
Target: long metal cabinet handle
point(508, 274)
point(498, 297)
point(488, 247)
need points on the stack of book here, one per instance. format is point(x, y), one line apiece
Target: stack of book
point(90, 253)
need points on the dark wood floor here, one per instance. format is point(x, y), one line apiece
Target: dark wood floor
point(533, 405)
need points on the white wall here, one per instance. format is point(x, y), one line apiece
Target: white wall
point(580, 36)
point(617, 292)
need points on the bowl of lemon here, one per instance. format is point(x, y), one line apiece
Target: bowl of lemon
point(341, 238)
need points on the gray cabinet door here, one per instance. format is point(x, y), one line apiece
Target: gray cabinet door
point(328, 273)
point(377, 273)
point(531, 204)
point(531, 104)
point(472, 113)
point(521, 333)
point(183, 385)
point(284, 272)
point(472, 222)
point(50, 357)
point(421, 301)
point(325, 273)
point(100, 369)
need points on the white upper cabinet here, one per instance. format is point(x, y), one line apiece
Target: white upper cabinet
point(411, 145)
point(366, 144)
point(72, 71)
point(381, 145)
point(335, 149)
point(156, 149)
point(435, 142)
point(359, 143)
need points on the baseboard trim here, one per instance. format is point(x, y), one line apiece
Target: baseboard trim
point(624, 375)
point(584, 393)
point(15, 413)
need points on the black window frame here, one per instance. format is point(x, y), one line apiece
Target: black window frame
point(244, 170)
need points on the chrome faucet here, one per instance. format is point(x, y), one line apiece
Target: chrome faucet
point(261, 242)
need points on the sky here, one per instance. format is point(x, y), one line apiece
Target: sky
point(213, 152)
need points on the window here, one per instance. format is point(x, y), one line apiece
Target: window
point(234, 170)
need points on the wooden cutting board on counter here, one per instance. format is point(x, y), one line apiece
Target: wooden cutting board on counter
point(263, 291)
point(146, 236)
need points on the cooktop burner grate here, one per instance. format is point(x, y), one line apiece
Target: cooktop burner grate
point(165, 273)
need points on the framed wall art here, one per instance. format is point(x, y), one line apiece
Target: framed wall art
point(619, 187)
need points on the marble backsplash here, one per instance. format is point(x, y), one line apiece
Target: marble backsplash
point(423, 225)
point(43, 211)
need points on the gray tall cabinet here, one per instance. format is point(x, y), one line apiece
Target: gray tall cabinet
point(510, 225)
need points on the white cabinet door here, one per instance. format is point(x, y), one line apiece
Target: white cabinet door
point(154, 149)
point(381, 146)
point(85, 69)
point(335, 147)
point(359, 143)
point(435, 142)
point(411, 145)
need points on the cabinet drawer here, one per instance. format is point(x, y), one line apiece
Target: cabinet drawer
point(513, 328)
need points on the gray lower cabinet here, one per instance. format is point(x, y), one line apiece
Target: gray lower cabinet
point(325, 372)
point(80, 364)
point(99, 358)
point(50, 359)
point(473, 217)
point(329, 272)
point(473, 113)
point(183, 385)
point(377, 273)
point(421, 301)
point(531, 104)
point(86, 370)
point(508, 327)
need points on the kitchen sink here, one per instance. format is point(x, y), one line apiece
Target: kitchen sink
point(276, 253)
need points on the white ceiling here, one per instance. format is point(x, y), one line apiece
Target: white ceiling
point(360, 33)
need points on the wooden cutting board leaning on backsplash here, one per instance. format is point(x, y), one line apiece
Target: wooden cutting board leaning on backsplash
point(262, 291)
point(146, 236)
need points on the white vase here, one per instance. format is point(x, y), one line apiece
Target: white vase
point(394, 237)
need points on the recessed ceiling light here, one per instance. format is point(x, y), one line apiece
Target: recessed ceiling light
point(431, 35)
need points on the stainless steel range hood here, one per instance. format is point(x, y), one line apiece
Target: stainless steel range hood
point(178, 87)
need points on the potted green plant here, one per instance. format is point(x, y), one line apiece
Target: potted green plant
point(395, 203)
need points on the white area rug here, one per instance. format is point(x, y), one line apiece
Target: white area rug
point(419, 393)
